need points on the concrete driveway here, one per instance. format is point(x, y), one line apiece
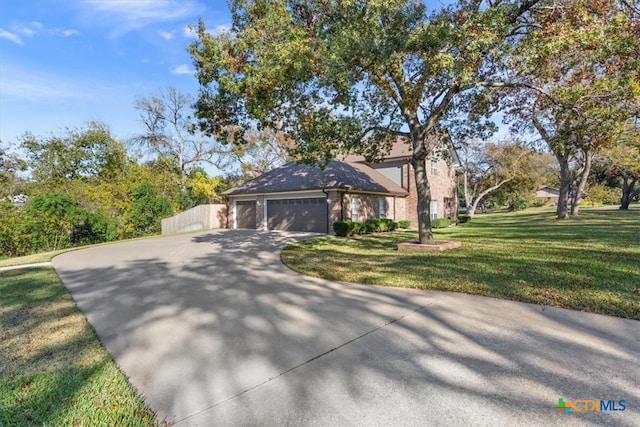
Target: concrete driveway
point(213, 330)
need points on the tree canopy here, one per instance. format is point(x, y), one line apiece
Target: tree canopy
point(582, 72)
point(352, 76)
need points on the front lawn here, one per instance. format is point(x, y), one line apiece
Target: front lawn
point(53, 369)
point(590, 263)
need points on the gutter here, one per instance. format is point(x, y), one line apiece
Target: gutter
point(326, 216)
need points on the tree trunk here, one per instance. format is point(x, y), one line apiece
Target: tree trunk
point(424, 201)
point(468, 197)
point(628, 183)
point(577, 196)
point(565, 185)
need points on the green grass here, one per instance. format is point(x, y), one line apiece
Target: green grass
point(30, 259)
point(53, 369)
point(590, 262)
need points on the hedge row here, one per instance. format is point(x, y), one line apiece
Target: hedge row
point(378, 225)
point(440, 223)
point(372, 225)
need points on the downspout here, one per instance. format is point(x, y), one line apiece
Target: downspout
point(327, 208)
point(394, 208)
point(408, 177)
point(226, 200)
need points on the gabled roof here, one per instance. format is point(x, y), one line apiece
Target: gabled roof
point(402, 150)
point(336, 175)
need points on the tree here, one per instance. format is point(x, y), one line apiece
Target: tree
point(264, 150)
point(487, 167)
point(172, 132)
point(147, 210)
point(353, 75)
point(204, 188)
point(10, 165)
point(624, 161)
point(76, 154)
point(50, 221)
point(582, 72)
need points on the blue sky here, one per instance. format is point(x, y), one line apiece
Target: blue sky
point(66, 62)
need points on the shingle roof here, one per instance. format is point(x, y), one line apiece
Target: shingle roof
point(299, 177)
point(401, 149)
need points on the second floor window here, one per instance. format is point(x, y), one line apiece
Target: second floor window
point(434, 167)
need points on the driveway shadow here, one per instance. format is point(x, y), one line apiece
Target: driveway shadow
point(213, 330)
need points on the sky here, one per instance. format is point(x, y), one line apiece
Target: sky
point(64, 63)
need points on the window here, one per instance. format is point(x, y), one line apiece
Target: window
point(434, 167)
point(355, 208)
point(433, 209)
point(382, 207)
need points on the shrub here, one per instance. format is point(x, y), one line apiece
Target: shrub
point(518, 205)
point(600, 194)
point(374, 225)
point(463, 218)
point(404, 224)
point(389, 224)
point(347, 228)
point(341, 228)
point(440, 223)
point(358, 228)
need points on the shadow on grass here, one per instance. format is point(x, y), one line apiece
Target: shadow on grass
point(585, 264)
point(54, 370)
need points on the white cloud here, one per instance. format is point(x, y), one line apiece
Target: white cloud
point(68, 33)
point(182, 69)
point(30, 29)
point(189, 31)
point(10, 36)
point(25, 84)
point(165, 34)
point(130, 15)
point(224, 28)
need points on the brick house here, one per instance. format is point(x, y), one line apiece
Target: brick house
point(300, 197)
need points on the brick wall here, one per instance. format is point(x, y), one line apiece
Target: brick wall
point(335, 212)
point(260, 219)
point(443, 184)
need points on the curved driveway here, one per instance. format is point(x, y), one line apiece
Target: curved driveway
point(213, 330)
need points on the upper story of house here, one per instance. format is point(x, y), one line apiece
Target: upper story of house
point(396, 165)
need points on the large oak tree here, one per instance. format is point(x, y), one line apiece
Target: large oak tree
point(583, 72)
point(350, 75)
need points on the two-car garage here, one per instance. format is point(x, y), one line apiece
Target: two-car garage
point(288, 214)
point(308, 214)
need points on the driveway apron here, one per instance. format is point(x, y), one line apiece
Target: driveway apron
point(212, 329)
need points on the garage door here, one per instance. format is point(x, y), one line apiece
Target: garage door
point(246, 214)
point(298, 214)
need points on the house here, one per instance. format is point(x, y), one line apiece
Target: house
point(300, 197)
point(548, 194)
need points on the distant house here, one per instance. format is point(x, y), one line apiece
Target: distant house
point(548, 194)
point(299, 197)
